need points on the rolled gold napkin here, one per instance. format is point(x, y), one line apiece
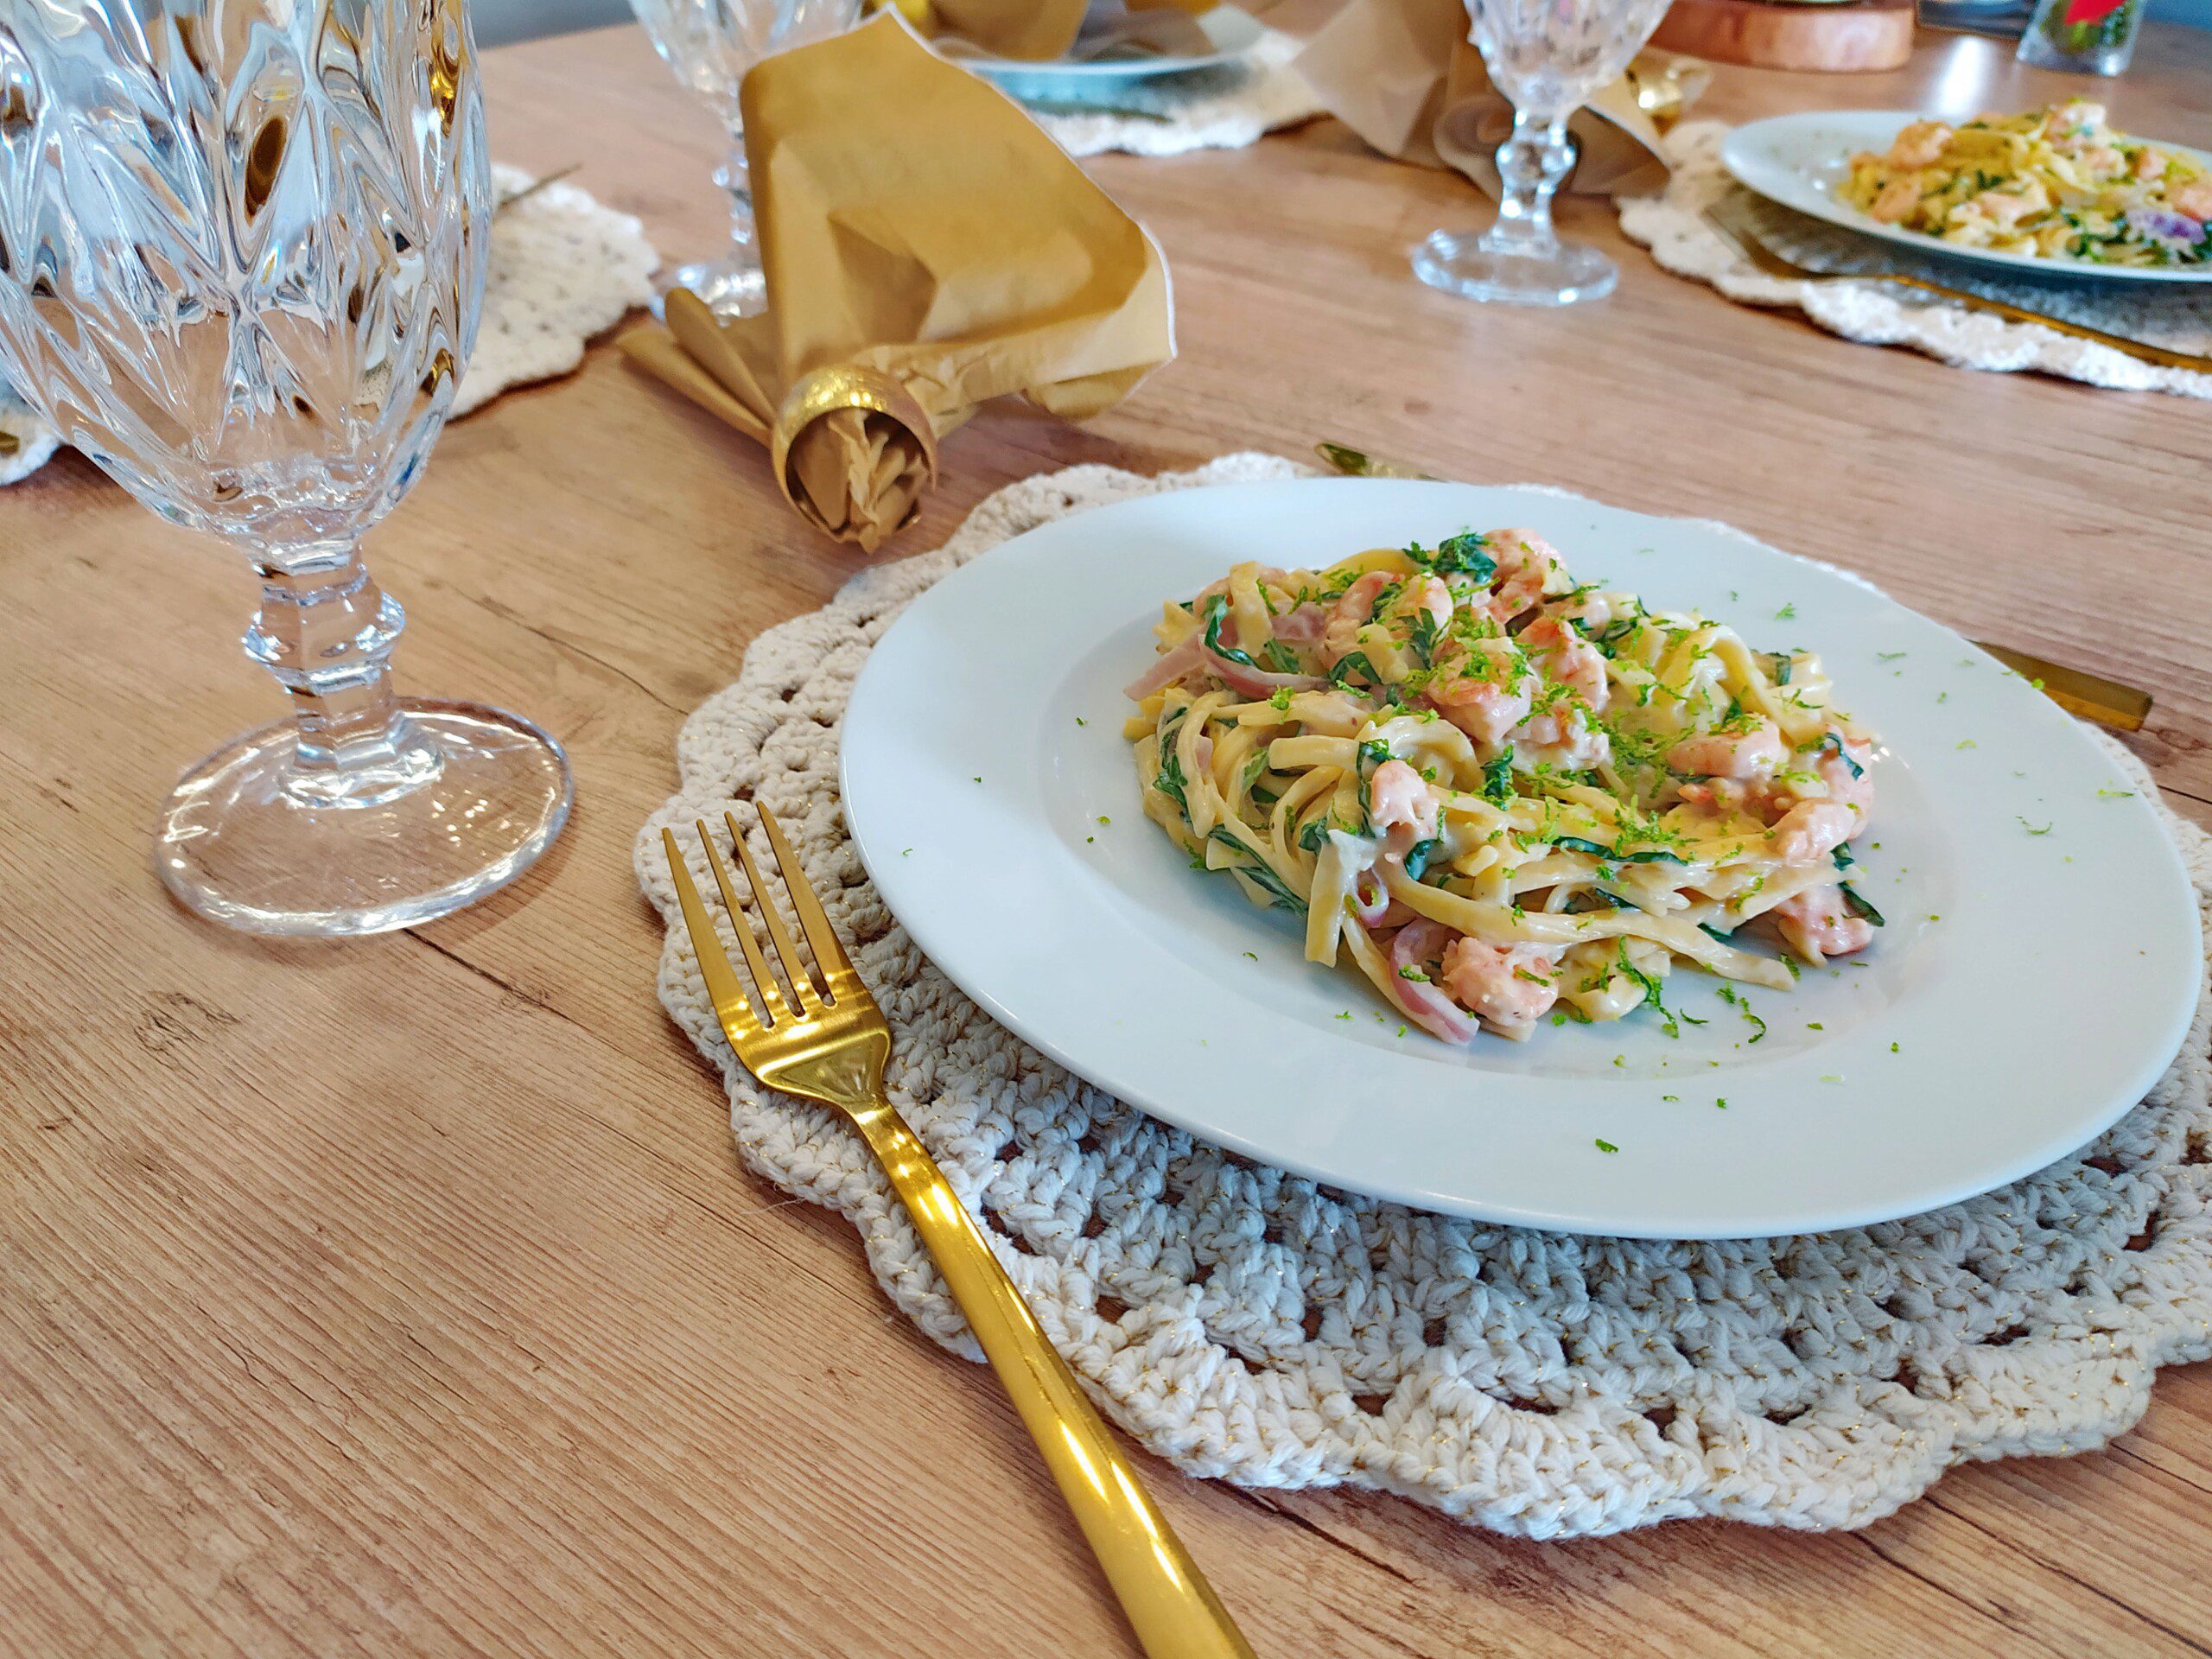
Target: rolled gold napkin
point(927, 249)
point(1402, 74)
point(1036, 30)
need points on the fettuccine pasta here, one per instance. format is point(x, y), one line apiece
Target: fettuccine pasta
point(2057, 182)
point(1500, 795)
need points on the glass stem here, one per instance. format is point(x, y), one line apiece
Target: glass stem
point(324, 630)
point(735, 176)
point(1530, 165)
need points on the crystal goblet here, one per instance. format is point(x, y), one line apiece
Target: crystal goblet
point(710, 44)
point(242, 252)
point(1548, 56)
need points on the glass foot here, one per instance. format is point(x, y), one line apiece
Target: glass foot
point(470, 797)
point(1563, 274)
point(729, 289)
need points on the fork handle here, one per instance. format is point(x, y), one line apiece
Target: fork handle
point(2141, 350)
point(1170, 1605)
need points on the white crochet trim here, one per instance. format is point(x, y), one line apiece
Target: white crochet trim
point(563, 268)
point(1207, 109)
point(1672, 226)
point(1251, 1326)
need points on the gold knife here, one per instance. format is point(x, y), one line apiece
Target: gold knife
point(2092, 696)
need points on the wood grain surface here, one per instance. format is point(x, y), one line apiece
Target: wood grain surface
point(406, 1297)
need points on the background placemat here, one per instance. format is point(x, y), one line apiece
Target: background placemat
point(1252, 1325)
point(1673, 227)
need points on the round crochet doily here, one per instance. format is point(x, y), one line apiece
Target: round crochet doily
point(1673, 227)
point(1249, 1324)
point(563, 268)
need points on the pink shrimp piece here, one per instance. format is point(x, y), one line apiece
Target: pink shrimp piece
point(1919, 144)
point(1810, 831)
point(1340, 635)
point(2150, 163)
point(1399, 800)
point(1414, 946)
point(1815, 924)
point(1525, 563)
point(1482, 708)
point(2194, 197)
point(1512, 987)
point(1894, 202)
point(1565, 656)
point(1742, 755)
point(1721, 794)
point(2006, 209)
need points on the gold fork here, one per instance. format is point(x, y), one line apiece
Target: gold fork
point(828, 1041)
point(1736, 216)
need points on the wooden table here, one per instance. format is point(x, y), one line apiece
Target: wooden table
point(407, 1296)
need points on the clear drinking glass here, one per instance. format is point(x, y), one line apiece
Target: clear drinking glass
point(710, 44)
point(1548, 56)
point(242, 248)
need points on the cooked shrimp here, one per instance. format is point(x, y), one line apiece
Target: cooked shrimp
point(2150, 163)
point(1399, 799)
point(1483, 691)
point(1895, 201)
point(1810, 831)
point(1815, 924)
point(2066, 124)
point(1565, 656)
point(2008, 208)
point(1512, 987)
point(2194, 197)
point(1920, 145)
point(1526, 562)
point(1752, 753)
point(1353, 610)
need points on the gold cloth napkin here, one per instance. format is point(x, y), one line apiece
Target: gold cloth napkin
point(1035, 30)
point(927, 249)
point(1402, 74)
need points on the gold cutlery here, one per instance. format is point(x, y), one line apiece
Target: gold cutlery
point(1741, 219)
point(826, 1040)
point(534, 186)
point(2092, 696)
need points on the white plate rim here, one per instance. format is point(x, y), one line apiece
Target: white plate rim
point(1236, 35)
point(1749, 156)
point(896, 881)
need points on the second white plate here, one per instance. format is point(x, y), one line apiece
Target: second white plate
point(1802, 161)
point(2038, 973)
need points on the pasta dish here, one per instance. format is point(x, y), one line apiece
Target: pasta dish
point(1501, 794)
point(2055, 183)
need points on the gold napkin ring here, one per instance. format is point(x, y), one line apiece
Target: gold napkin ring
point(844, 385)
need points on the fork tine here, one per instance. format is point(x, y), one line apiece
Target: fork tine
point(766, 990)
point(835, 964)
point(723, 989)
point(802, 987)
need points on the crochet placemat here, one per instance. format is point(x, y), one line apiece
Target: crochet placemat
point(1673, 227)
point(1250, 1325)
point(562, 267)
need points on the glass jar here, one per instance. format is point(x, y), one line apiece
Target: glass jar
point(2091, 37)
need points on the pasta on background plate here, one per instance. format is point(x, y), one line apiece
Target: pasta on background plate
point(2057, 183)
point(1502, 795)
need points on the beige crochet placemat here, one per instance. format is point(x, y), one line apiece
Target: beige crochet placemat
point(1249, 1325)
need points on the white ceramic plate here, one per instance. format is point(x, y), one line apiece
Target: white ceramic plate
point(1803, 161)
point(994, 802)
point(1232, 33)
